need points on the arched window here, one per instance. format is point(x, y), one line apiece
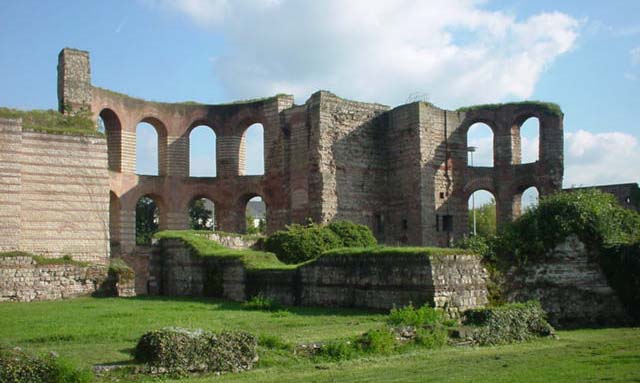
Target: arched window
point(252, 150)
point(529, 198)
point(530, 140)
point(202, 214)
point(146, 149)
point(482, 213)
point(480, 145)
point(202, 152)
point(147, 220)
point(109, 124)
point(256, 216)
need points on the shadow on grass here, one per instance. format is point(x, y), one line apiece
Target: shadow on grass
point(223, 304)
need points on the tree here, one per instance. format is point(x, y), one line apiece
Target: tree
point(200, 218)
point(147, 217)
point(485, 219)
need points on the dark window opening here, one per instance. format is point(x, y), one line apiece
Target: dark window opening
point(441, 195)
point(405, 224)
point(627, 200)
point(437, 222)
point(447, 223)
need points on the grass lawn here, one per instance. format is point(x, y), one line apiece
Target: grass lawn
point(94, 330)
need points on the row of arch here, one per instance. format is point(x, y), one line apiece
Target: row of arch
point(481, 137)
point(151, 215)
point(201, 141)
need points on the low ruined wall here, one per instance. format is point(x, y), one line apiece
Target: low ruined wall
point(570, 286)
point(23, 280)
point(453, 282)
point(232, 241)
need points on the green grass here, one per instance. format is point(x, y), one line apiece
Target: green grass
point(397, 251)
point(550, 106)
point(40, 260)
point(51, 121)
point(203, 247)
point(94, 330)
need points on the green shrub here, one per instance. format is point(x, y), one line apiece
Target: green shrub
point(593, 216)
point(352, 234)
point(336, 351)
point(514, 322)
point(262, 302)
point(379, 341)
point(273, 342)
point(16, 366)
point(300, 243)
point(179, 351)
point(410, 316)
point(432, 336)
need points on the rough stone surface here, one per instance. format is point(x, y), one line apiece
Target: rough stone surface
point(570, 286)
point(22, 280)
point(454, 283)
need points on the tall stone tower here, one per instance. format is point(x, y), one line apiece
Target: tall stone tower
point(74, 81)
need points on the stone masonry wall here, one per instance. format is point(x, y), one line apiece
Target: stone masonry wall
point(454, 283)
point(570, 286)
point(23, 280)
point(55, 198)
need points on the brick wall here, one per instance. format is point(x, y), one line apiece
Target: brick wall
point(57, 194)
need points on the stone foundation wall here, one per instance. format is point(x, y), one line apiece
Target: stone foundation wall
point(454, 283)
point(570, 286)
point(23, 280)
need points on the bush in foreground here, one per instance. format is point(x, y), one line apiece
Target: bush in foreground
point(514, 322)
point(300, 243)
point(179, 351)
point(352, 234)
point(16, 366)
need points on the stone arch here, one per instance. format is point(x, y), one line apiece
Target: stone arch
point(202, 149)
point(243, 205)
point(524, 196)
point(206, 217)
point(159, 155)
point(253, 139)
point(525, 136)
point(113, 132)
point(149, 217)
point(480, 137)
point(482, 207)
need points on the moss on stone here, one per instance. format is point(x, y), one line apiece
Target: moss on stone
point(203, 247)
point(40, 260)
point(51, 121)
point(551, 107)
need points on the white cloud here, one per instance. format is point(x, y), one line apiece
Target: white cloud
point(601, 158)
point(377, 50)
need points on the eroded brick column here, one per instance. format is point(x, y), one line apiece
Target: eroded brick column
point(177, 154)
point(228, 155)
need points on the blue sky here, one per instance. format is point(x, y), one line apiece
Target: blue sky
point(584, 55)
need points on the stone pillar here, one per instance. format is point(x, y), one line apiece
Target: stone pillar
point(74, 81)
point(178, 156)
point(228, 155)
point(128, 151)
point(127, 231)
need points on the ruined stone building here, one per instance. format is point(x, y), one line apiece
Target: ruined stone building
point(402, 171)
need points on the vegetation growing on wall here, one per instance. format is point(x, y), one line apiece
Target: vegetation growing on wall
point(203, 247)
point(302, 243)
point(551, 107)
point(610, 232)
point(51, 121)
point(40, 260)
